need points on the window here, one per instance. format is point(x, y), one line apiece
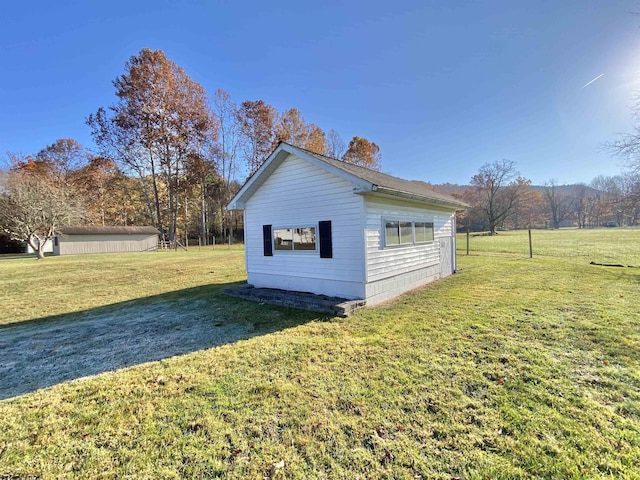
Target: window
point(298, 239)
point(398, 232)
point(294, 239)
point(424, 232)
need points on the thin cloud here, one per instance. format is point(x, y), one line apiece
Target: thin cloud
point(589, 83)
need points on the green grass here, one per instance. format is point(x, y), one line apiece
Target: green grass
point(513, 368)
point(34, 289)
point(601, 245)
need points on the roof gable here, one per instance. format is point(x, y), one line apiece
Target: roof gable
point(363, 179)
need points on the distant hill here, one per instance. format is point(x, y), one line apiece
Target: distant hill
point(449, 188)
point(570, 190)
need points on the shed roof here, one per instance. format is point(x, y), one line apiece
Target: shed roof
point(119, 230)
point(364, 179)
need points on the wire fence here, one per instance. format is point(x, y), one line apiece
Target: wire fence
point(605, 245)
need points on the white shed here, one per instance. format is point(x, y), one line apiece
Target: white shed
point(48, 246)
point(319, 225)
point(84, 240)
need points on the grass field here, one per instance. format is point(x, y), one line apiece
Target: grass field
point(602, 245)
point(512, 368)
point(60, 285)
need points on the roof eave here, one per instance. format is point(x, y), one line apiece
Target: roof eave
point(383, 191)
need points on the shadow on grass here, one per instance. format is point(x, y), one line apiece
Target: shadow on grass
point(47, 351)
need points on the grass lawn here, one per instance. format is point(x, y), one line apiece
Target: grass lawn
point(601, 245)
point(512, 368)
point(33, 289)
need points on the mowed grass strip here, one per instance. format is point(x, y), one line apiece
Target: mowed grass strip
point(513, 368)
point(34, 289)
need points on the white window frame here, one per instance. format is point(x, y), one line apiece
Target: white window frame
point(293, 250)
point(399, 221)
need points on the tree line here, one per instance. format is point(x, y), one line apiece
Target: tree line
point(171, 156)
point(167, 155)
point(500, 198)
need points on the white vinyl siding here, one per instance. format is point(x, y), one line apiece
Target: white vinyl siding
point(388, 262)
point(299, 194)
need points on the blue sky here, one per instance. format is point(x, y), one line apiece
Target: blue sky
point(441, 86)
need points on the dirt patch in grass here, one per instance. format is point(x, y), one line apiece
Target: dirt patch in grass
point(39, 354)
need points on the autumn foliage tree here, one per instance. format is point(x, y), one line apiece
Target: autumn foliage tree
point(364, 153)
point(104, 190)
point(161, 117)
point(257, 125)
point(39, 195)
point(292, 128)
point(169, 156)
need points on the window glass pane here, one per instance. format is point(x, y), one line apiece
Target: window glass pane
point(424, 232)
point(304, 238)
point(405, 232)
point(391, 234)
point(283, 239)
point(428, 231)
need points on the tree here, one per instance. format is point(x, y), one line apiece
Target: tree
point(64, 156)
point(316, 140)
point(558, 204)
point(498, 187)
point(161, 117)
point(528, 211)
point(123, 145)
point(99, 183)
point(364, 153)
point(292, 128)
point(257, 123)
point(225, 152)
point(335, 145)
point(582, 204)
point(36, 199)
point(627, 146)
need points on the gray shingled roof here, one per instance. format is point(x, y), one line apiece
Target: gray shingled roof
point(85, 230)
point(389, 182)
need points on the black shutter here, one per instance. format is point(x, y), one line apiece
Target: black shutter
point(326, 247)
point(266, 240)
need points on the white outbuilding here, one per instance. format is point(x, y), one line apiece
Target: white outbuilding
point(86, 240)
point(319, 225)
point(48, 246)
